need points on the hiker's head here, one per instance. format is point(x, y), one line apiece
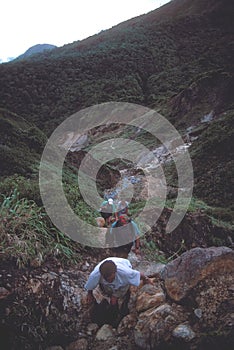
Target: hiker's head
point(108, 270)
point(123, 219)
point(110, 201)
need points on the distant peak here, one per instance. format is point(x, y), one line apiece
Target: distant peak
point(36, 49)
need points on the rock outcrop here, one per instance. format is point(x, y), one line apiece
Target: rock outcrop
point(195, 299)
point(189, 305)
point(185, 272)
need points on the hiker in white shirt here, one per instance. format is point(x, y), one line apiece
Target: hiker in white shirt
point(114, 276)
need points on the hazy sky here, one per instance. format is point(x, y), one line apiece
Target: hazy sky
point(25, 23)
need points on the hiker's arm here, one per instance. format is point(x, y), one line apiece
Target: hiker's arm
point(93, 279)
point(90, 298)
point(137, 246)
point(138, 243)
point(145, 279)
point(115, 212)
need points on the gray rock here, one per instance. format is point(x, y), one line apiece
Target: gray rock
point(195, 265)
point(184, 331)
point(105, 332)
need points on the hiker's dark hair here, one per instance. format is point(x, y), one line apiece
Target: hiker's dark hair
point(107, 268)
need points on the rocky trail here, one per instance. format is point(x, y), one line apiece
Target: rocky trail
point(189, 306)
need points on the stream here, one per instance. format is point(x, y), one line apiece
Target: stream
point(133, 182)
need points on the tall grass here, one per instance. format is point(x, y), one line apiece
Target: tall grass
point(28, 237)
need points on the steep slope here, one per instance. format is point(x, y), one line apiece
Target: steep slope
point(146, 60)
point(176, 60)
point(21, 144)
point(213, 162)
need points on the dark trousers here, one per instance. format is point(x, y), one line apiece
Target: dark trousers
point(104, 313)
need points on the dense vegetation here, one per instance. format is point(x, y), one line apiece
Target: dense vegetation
point(175, 60)
point(147, 60)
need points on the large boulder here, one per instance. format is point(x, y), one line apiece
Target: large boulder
point(185, 272)
point(191, 303)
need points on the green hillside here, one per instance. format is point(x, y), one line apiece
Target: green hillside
point(148, 60)
point(175, 60)
point(21, 145)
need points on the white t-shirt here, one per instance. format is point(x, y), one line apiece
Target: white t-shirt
point(124, 277)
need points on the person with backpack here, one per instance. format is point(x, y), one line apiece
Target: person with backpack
point(107, 210)
point(123, 235)
point(113, 276)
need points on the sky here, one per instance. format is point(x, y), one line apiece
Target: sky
point(25, 23)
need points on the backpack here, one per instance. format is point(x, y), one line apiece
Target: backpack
point(122, 221)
